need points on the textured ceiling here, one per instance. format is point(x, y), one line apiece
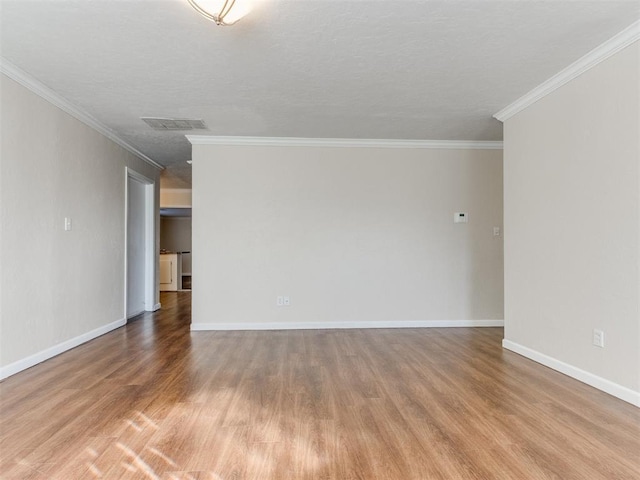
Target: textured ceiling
point(391, 69)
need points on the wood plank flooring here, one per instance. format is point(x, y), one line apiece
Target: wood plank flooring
point(153, 401)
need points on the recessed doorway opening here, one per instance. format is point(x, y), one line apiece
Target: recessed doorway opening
point(139, 245)
point(175, 249)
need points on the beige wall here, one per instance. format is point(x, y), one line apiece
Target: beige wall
point(175, 198)
point(572, 223)
point(350, 234)
point(175, 234)
point(58, 285)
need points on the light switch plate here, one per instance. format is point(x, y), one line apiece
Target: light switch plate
point(598, 338)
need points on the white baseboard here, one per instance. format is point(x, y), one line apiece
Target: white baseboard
point(135, 314)
point(623, 393)
point(156, 307)
point(346, 325)
point(51, 352)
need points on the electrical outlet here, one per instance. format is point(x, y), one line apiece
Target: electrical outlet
point(496, 231)
point(280, 301)
point(287, 301)
point(461, 217)
point(598, 338)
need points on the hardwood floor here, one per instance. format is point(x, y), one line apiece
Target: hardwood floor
point(153, 401)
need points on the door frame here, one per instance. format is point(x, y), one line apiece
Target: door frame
point(149, 240)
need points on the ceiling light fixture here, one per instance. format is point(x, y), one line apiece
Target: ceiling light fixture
point(223, 12)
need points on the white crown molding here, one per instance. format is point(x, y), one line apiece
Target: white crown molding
point(346, 325)
point(341, 142)
point(51, 352)
point(612, 46)
point(27, 81)
point(623, 393)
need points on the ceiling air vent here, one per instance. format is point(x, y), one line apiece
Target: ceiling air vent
point(174, 123)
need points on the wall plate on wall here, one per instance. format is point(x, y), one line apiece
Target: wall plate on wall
point(460, 217)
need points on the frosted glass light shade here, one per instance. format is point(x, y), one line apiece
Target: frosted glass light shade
point(223, 12)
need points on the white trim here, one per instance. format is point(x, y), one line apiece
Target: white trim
point(125, 280)
point(341, 142)
point(138, 176)
point(594, 57)
point(156, 307)
point(150, 250)
point(51, 352)
point(27, 81)
point(134, 314)
point(600, 383)
point(346, 325)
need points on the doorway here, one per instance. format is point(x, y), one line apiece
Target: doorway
point(175, 245)
point(139, 245)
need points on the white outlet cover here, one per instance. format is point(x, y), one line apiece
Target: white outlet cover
point(461, 217)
